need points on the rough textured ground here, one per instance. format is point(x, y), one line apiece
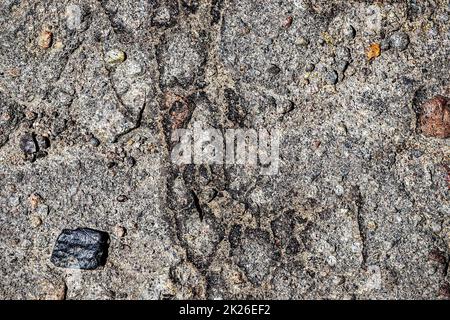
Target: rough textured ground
point(359, 208)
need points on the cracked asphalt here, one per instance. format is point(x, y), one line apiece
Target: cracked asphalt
point(92, 91)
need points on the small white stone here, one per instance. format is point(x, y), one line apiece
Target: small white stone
point(331, 260)
point(339, 190)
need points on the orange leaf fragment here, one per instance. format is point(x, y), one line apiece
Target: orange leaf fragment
point(373, 51)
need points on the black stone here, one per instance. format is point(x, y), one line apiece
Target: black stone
point(274, 70)
point(235, 236)
point(293, 247)
point(82, 248)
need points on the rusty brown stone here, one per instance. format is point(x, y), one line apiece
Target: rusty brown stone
point(288, 22)
point(434, 119)
point(45, 39)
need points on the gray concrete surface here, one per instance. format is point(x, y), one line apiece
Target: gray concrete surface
point(91, 92)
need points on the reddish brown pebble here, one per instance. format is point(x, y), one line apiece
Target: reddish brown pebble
point(288, 22)
point(434, 119)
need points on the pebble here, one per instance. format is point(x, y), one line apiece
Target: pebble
point(162, 16)
point(274, 70)
point(331, 260)
point(436, 227)
point(94, 142)
point(130, 161)
point(120, 231)
point(385, 44)
point(350, 70)
point(14, 200)
point(45, 39)
point(28, 144)
point(417, 153)
point(35, 221)
point(302, 41)
point(115, 56)
point(82, 248)
point(34, 199)
point(285, 107)
point(341, 129)
point(331, 77)
point(339, 190)
point(122, 198)
point(434, 119)
point(399, 40)
point(288, 22)
point(309, 67)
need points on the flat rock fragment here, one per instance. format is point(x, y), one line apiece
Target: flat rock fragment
point(82, 248)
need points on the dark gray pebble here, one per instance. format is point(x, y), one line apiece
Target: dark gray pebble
point(82, 248)
point(28, 144)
